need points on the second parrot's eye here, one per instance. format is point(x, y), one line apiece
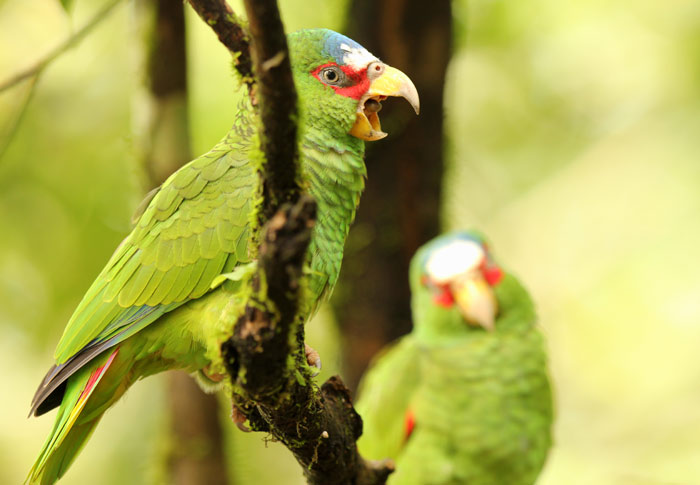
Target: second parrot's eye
point(332, 76)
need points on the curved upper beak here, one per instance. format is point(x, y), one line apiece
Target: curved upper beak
point(391, 82)
point(476, 300)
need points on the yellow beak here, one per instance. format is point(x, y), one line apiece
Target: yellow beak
point(476, 300)
point(391, 82)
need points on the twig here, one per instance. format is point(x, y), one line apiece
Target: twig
point(218, 15)
point(14, 125)
point(70, 42)
point(34, 72)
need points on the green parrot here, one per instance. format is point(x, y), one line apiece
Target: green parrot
point(465, 397)
point(156, 304)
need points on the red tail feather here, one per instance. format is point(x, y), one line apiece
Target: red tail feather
point(409, 424)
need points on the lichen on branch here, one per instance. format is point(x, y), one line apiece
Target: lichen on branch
point(264, 356)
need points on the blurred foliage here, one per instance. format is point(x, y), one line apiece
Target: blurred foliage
point(573, 139)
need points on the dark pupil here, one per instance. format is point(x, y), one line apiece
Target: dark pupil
point(331, 76)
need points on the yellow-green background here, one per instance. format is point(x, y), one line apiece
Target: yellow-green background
point(574, 143)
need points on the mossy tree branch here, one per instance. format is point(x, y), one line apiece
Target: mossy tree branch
point(278, 98)
point(265, 355)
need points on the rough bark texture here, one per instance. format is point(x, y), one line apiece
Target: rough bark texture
point(265, 355)
point(275, 392)
point(400, 206)
point(277, 97)
point(196, 456)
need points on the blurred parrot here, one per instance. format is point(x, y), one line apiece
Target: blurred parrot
point(155, 305)
point(465, 397)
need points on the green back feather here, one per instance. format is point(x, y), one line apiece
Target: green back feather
point(193, 228)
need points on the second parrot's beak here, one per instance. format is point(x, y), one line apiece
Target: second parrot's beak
point(387, 81)
point(476, 300)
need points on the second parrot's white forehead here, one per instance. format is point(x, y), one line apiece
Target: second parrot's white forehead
point(452, 259)
point(356, 57)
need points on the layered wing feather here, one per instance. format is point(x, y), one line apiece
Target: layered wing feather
point(78, 395)
point(194, 227)
point(386, 393)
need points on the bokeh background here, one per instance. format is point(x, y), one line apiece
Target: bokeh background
point(572, 140)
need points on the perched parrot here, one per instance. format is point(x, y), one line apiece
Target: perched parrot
point(465, 397)
point(155, 305)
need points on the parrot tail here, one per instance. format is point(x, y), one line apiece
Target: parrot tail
point(70, 432)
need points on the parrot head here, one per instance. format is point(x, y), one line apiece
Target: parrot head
point(341, 85)
point(456, 271)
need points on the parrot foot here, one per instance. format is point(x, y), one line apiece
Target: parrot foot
point(212, 376)
point(313, 359)
point(239, 419)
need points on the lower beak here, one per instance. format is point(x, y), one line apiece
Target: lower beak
point(476, 301)
point(392, 82)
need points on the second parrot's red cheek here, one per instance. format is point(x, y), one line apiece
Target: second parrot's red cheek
point(493, 275)
point(444, 298)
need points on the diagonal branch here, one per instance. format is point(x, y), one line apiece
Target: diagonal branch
point(34, 72)
point(69, 43)
point(218, 15)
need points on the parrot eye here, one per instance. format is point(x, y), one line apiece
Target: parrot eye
point(332, 76)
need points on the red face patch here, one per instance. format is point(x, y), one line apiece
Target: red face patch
point(442, 295)
point(492, 274)
point(355, 84)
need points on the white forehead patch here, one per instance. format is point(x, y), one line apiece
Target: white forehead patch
point(454, 259)
point(356, 57)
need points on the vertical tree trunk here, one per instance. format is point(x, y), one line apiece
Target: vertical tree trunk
point(400, 207)
point(161, 119)
point(197, 455)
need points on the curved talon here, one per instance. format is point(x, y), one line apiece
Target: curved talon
point(313, 359)
point(212, 376)
point(239, 419)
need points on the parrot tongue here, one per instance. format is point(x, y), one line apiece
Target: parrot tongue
point(384, 81)
point(367, 125)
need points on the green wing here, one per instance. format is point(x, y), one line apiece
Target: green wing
point(385, 393)
point(194, 227)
